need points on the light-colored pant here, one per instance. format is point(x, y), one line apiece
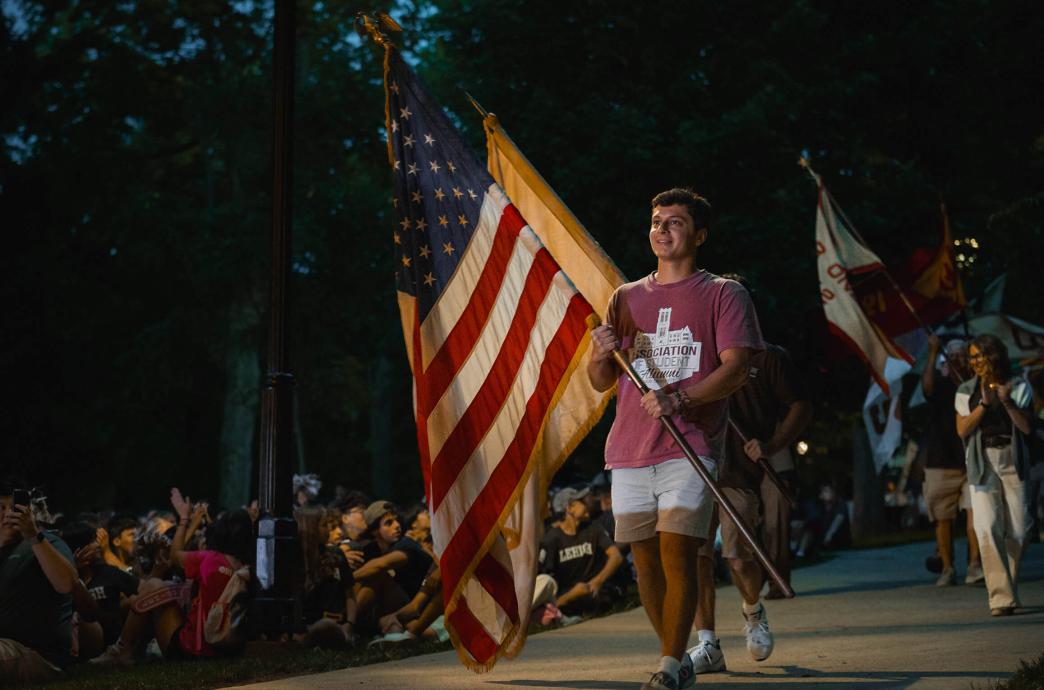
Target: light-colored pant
point(666, 497)
point(545, 589)
point(776, 527)
point(1001, 517)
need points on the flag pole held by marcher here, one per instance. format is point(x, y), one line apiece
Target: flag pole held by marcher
point(694, 460)
point(770, 471)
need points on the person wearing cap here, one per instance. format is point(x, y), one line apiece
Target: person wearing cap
point(395, 567)
point(578, 554)
point(689, 335)
point(945, 477)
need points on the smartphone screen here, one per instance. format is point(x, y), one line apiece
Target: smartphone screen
point(20, 497)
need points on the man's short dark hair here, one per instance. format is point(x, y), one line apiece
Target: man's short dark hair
point(351, 500)
point(117, 524)
point(698, 207)
point(79, 534)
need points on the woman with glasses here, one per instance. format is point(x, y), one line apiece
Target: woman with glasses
point(993, 420)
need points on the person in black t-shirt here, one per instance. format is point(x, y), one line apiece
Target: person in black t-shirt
point(396, 583)
point(37, 577)
point(579, 555)
point(109, 587)
point(945, 476)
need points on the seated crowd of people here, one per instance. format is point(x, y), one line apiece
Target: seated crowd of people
point(117, 589)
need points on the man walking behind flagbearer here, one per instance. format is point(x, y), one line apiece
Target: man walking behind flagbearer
point(945, 477)
point(993, 420)
point(765, 416)
point(689, 335)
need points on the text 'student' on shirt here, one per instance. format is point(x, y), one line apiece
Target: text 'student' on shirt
point(673, 335)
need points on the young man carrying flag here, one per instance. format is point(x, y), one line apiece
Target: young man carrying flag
point(689, 335)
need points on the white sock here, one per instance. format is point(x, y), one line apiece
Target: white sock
point(670, 665)
point(707, 636)
point(752, 608)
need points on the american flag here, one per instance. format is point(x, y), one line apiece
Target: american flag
point(494, 332)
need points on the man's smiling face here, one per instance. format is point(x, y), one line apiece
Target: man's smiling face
point(673, 234)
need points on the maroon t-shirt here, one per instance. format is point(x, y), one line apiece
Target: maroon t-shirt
point(672, 334)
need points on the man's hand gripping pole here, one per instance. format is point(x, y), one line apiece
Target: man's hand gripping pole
point(723, 502)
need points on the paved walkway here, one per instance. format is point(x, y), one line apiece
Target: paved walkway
point(866, 619)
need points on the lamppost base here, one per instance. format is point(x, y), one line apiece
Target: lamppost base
point(277, 605)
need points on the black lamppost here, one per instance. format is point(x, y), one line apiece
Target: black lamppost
point(278, 607)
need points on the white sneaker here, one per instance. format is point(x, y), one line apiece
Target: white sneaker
point(114, 655)
point(392, 639)
point(975, 575)
point(686, 674)
point(153, 651)
point(661, 681)
point(759, 637)
point(706, 657)
point(947, 578)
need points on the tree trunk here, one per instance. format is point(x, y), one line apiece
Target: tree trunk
point(381, 446)
point(867, 492)
point(242, 400)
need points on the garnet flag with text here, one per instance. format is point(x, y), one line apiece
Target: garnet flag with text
point(840, 257)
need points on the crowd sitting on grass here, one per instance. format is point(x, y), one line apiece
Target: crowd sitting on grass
point(114, 589)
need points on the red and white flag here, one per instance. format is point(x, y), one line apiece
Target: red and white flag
point(497, 337)
point(840, 257)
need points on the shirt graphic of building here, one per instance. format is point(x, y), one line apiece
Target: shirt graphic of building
point(666, 356)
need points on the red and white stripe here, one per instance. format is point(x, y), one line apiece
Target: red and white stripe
point(493, 361)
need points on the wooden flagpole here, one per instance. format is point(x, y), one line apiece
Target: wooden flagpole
point(694, 460)
point(770, 471)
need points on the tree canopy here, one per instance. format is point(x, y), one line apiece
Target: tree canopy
point(135, 186)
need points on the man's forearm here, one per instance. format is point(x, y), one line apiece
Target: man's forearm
point(721, 383)
point(601, 374)
point(365, 572)
point(59, 572)
point(966, 424)
point(612, 563)
point(577, 591)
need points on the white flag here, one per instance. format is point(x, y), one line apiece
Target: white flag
point(882, 414)
point(840, 255)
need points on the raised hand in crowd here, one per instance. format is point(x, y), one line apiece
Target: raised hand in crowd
point(182, 506)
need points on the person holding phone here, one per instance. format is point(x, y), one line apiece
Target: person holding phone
point(37, 577)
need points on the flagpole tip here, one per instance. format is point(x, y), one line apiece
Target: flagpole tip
point(803, 162)
point(369, 26)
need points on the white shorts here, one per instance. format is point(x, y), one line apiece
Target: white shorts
point(668, 497)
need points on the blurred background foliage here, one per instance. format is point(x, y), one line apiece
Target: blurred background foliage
point(135, 186)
